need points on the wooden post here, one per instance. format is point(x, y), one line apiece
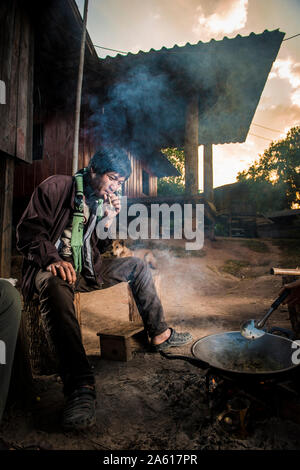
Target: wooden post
point(78, 94)
point(230, 225)
point(191, 146)
point(208, 182)
point(7, 165)
point(208, 172)
point(294, 309)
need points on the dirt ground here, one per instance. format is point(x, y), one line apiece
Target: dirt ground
point(150, 402)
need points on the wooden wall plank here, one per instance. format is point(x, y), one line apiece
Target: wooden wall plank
point(57, 153)
point(16, 45)
point(24, 93)
point(10, 47)
point(134, 185)
point(139, 178)
point(6, 200)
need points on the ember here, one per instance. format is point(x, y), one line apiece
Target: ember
point(237, 407)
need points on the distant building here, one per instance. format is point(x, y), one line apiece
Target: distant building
point(279, 224)
point(236, 213)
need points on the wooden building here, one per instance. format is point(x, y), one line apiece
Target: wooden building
point(180, 97)
point(16, 73)
point(40, 46)
point(279, 224)
point(236, 211)
point(237, 215)
point(57, 32)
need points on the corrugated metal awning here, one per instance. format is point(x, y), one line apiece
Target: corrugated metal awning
point(144, 95)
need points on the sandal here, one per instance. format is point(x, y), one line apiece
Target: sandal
point(80, 409)
point(175, 339)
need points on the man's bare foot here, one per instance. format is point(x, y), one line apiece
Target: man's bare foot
point(162, 337)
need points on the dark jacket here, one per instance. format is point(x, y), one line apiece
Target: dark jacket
point(42, 224)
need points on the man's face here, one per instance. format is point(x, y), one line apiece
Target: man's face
point(106, 184)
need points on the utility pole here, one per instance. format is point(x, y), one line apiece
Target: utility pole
point(79, 90)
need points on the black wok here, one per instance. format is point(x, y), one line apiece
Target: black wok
point(232, 355)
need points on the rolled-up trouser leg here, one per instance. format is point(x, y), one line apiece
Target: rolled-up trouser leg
point(10, 316)
point(138, 274)
point(63, 331)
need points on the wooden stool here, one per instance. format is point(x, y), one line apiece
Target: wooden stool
point(118, 343)
point(41, 357)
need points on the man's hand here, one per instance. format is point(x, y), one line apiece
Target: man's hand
point(294, 288)
point(112, 207)
point(63, 269)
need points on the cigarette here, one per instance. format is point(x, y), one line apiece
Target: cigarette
point(109, 200)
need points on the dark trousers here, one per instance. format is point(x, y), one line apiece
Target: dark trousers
point(62, 328)
point(10, 316)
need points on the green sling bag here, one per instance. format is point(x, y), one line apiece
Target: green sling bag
point(78, 222)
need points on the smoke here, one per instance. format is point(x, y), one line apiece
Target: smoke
point(144, 107)
point(141, 111)
point(230, 16)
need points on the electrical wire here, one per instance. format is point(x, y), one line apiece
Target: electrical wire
point(291, 37)
point(264, 127)
point(108, 49)
point(265, 138)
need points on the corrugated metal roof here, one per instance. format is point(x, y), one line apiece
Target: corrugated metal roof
point(147, 92)
point(186, 47)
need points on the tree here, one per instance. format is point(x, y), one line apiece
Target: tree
point(276, 175)
point(171, 185)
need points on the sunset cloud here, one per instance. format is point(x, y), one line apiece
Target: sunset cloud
point(288, 70)
point(228, 18)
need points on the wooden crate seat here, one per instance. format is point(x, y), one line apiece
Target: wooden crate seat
point(42, 359)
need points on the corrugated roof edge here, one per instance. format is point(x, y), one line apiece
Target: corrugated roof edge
point(177, 48)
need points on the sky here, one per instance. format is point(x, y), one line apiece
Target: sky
point(134, 25)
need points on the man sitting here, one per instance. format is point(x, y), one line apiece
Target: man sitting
point(57, 235)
